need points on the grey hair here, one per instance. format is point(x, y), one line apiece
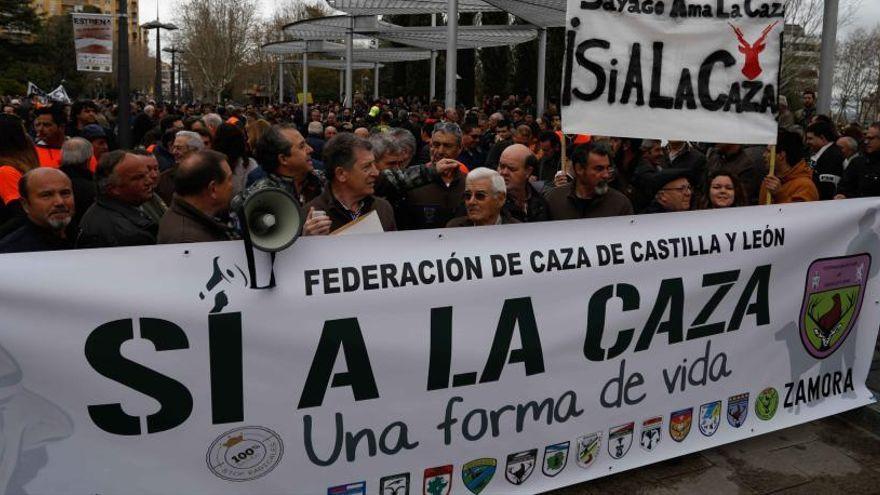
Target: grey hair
point(193, 140)
point(76, 152)
point(382, 145)
point(212, 120)
point(448, 128)
point(851, 143)
point(494, 177)
point(404, 138)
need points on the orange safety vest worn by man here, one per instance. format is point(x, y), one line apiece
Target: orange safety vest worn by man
point(49, 125)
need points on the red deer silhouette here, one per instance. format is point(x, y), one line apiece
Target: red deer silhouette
point(752, 67)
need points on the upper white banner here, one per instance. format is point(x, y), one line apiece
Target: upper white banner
point(501, 360)
point(682, 70)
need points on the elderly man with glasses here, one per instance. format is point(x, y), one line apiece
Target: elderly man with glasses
point(862, 177)
point(484, 196)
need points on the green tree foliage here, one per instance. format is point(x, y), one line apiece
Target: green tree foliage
point(19, 25)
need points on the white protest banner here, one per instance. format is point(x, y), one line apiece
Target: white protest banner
point(499, 360)
point(93, 38)
point(679, 70)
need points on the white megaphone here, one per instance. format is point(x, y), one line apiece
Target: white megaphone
point(270, 221)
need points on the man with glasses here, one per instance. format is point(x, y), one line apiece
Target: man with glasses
point(484, 197)
point(674, 192)
point(862, 177)
point(472, 154)
point(589, 195)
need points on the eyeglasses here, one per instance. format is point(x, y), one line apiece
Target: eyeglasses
point(478, 195)
point(681, 189)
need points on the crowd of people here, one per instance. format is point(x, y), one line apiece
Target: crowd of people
point(65, 183)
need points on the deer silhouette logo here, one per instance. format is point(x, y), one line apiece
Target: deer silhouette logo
point(752, 68)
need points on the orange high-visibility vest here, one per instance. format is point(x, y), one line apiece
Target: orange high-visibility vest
point(49, 157)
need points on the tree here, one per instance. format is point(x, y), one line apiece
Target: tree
point(856, 72)
point(217, 38)
point(19, 25)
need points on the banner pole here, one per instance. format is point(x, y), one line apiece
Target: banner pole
point(772, 170)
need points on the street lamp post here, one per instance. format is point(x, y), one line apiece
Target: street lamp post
point(158, 26)
point(173, 51)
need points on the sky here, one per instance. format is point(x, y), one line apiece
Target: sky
point(868, 14)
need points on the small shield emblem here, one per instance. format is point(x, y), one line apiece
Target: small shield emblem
point(710, 418)
point(555, 458)
point(588, 447)
point(620, 439)
point(833, 298)
point(437, 480)
point(520, 466)
point(680, 424)
point(478, 473)
point(766, 403)
point(737, 409)
point(396, 484)
point(652, 430)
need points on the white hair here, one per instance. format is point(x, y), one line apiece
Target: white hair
point(494, 177)
point(212, 120)
point(76, 152)
point(193, 140)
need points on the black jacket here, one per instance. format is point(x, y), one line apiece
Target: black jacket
point(827, 171)
point(184, 222)
point(84, 189)
point(862, 177)
point(536, 209)
point(109, 223)
point(30, 237)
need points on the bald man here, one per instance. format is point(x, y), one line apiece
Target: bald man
point(525, 200)
point(47, 199)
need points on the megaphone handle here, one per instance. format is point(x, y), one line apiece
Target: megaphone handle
point(252, 266)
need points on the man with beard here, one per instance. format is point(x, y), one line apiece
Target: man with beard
point(47, 200)
point(524, 199)
point(862, 177)
point(589, 195)
point(348, 196)
point(202, 193)
point(484, 198)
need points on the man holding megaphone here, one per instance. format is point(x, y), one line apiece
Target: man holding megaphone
point(351, 167)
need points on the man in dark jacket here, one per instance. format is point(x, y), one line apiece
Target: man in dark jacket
point(826, 160)
point(116, 219)
point(202, 193)
point(862, 177)
point(484, 197)
point(285, 157)
point(524, 199)
point(589, 195)
point(47, 199)
point(673, 192)
point(349, 195)
point(76, 153)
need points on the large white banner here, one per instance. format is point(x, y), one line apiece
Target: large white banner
point(678, 70)
point(93, 37)
point(502, 360)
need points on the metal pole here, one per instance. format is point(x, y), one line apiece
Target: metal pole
point(349, 55)
point(433, 91)
point(123, 118)
point(158, 91)
point(542, 69)
point(376, 81)
point(280, 81)
point(451, 52)
point(826, 60)
point(342, 85)
point(305, 101)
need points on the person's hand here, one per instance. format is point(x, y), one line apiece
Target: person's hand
point(446, 166)
point(772, 184)
point(318, 223)
point(532, 178)
point(839, 196)
point(560, 179)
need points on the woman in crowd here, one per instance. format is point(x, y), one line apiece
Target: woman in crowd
point(724, 190)
point(231, 141)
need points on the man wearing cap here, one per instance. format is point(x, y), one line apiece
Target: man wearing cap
point(589, 195)
point(47, 199)
point(673, 192)
point(95, 134)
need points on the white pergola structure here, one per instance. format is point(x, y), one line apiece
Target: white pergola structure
point(429, 37)
point(540, 13)
point(362, 58)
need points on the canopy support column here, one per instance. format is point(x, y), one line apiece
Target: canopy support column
point(433, 76)
point(376, 81)
point(451, 52)
point(305, 101)
point(280, 81)
point(542, 69)
point(349, 56)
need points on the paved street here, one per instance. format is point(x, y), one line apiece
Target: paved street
point(840, 454)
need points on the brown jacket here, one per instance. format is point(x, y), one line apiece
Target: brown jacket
point(797, 186)
point(432, 206)
point(464, 221)
point(340, 216)
point(183, 223)
point(563, 204)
